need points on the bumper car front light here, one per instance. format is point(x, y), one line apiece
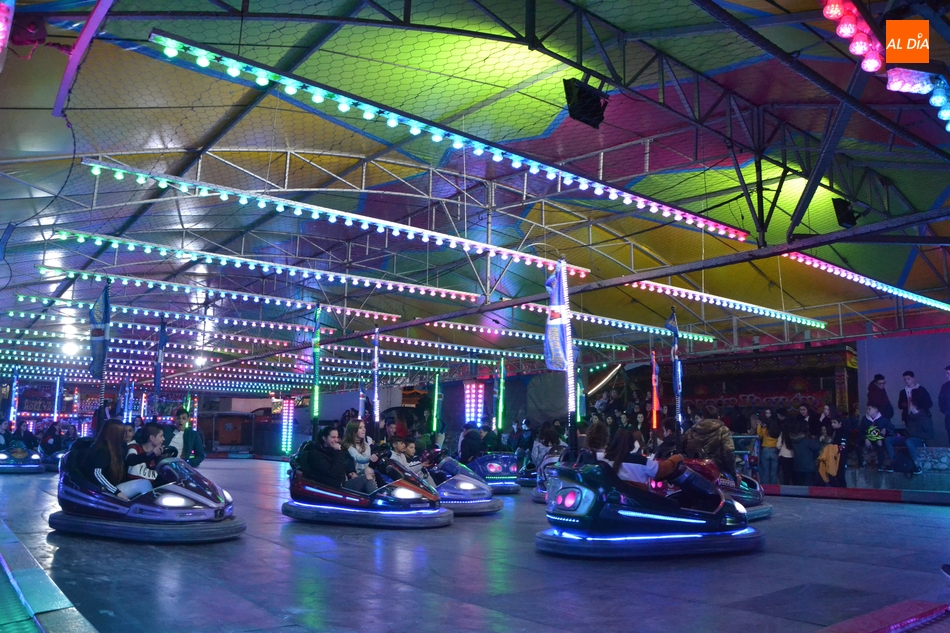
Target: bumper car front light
point(494, 468)
point(35, 456)
point(406, 493)
point(4, 456)
point(466, 485)
point(227, 496)
point(739, 507)
point(173, 501)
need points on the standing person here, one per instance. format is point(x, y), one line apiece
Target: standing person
point(811, 424)
point(187, 443)
point(601, 404)
point(826, 418)
point(490, 441)
point(915, 404)
point(877, 395)
point(943, 401)
point(711, 439)
point(786, 456)
point(806, 449)
point(768, 432)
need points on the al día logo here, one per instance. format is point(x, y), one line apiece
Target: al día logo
point(908, 41)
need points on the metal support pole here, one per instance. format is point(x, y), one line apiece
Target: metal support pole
point(315, 388)
point(57, 391)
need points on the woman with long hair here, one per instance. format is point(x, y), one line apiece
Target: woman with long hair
point(631, 466)
point(104, 464)
point(358, 447)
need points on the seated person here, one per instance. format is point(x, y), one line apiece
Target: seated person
point(52, 441)
point(104, 464)
point(5, 436)
point(470, 444)
point(668, 446)
point(597, 438)
point(633, 467)
point(187, 443)
point(142, 459)
point(325, 464)
point(404, 452)
point(129, 433)
point(24, 435)
point(711, 439)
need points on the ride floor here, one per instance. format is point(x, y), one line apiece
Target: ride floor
point(823, 562)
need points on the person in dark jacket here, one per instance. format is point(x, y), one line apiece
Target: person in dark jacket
point(943, 401)
point(806, 449)
point(915, 404)
point(710, 439)
point(914, 399)
point(877, 396)
point(24, 435)
point(104, 464)
point(188, 443)
point(326, 464)
point(52, 441)
point(811, 423)
point(5, 435)
point(490, 441)
point(471, 444)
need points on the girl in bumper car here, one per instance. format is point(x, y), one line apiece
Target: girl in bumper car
point(105, 463)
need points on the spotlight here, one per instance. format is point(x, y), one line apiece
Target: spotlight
point(844, 212)
point(585, 103)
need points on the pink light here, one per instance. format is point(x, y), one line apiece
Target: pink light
point(833, 9)
point(860, 44)
point(872, 62)
point(848, 26)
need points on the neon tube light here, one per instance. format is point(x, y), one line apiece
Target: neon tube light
point(202, 189)
point(287, 426)
point(728, 304)
point(418, 355)
point(837, 271)
point(266, 267)
point(613, 372)
point(368, 364)
point(534, 336)
point(235, 67)
point(459, 348)
point(621, 324)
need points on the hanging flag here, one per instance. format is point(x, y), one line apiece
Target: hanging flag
point(160, 356)
point(673, 327)
point(99, 320)
point(557, 336)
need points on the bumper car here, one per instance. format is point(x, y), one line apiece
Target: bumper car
point(17, 458)
point(528, 476)
point(595, 514)
point(748, 492)
point(186, 508)
point(51, 462)
point(548, 468)
point(403, 501)
point(499, 470)
point(462, 491)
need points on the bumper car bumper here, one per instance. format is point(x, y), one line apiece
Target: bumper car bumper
point(759, 512)
point(566, 543)
point(22, 468)
point(404, 519)
point(528, 482)
point(539, 496)
point(170, 533)
point(474, 507)
point(509, 487)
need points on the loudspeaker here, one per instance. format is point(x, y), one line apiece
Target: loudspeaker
point(845, 213)
point(585, 104)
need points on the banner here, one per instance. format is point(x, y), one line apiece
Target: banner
point(160, 356)
point(99, 320)
point(655, 373)
point(557, 336)
point(673, 327)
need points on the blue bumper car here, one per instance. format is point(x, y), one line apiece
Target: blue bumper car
point(462, 491)
point(499, 470)
point(18, 459)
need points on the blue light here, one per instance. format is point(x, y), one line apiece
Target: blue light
point(392, 121)
point(657, 517)
point(368, 510)
point(644, 537)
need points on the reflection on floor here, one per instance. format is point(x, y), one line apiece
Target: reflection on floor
point(823, 562)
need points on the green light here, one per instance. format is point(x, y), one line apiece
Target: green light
point(203, 61)
point(261, 79)
point(436, 405)
point(162, 184)
point(96, 170)
point(500, 418)
point(170, 51)
point(233, 70)
point(98, 242)
point(290, 89)
point(119, 175)
point(81, 239)
point(140, 179)
point(318, 96)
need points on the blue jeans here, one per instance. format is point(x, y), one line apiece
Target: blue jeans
point(912, 444)
point(768, 466)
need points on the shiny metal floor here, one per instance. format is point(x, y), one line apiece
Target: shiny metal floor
point(823, 562)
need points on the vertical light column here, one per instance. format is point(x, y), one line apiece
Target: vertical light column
point(14, 396)
point(500, 412)
point(315, 389)
point(474, 401)
point(142, 406)
point(376, 406)
point(287, 426)
point(436, 404)
point(57, 395)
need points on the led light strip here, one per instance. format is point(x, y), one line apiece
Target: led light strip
point(621, 324)
point(368, 364)
point(534, 336)
point(837, 271)
point(211, 292)
point(729, 304)
point(452, 347)
point(394, 352)
point(265, 267)
point(167, 314)
point(203, 189)
point(235, 67)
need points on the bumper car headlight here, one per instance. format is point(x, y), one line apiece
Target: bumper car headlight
point(4, 456)
point(739, 506)
point(406, 493)
point(173, 501)
point(227, 496)
point(494, 468)
point(35, 456)
point(466, 485)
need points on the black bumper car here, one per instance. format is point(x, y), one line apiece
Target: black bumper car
point(186, 508)
point(403, 501)
point(462, 491)
point(499, 470)
point(548, 468)
point(17, 459)
point(51, 462)
point(596, 514)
